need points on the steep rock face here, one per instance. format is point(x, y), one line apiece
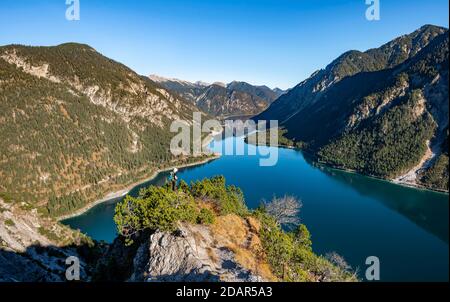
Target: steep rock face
point(222, 102)
point(348, 64)
point(189, 91)
point(105, 82)
point(402, 133)
point(189, 255)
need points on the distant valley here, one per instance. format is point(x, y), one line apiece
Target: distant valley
point(223, 100)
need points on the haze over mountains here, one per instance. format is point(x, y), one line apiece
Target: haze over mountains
point(382, 112)
point(223, 100)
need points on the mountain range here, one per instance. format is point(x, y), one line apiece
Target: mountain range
point(223, 100)
point(75, 125)
point(383, 112)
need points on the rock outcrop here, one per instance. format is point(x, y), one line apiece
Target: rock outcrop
point(35, 249)
point(189, 255)
point(228, 251)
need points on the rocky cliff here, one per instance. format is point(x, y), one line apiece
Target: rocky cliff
point(35, 249)
point(193, 253)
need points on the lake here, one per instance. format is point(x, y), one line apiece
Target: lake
point(353, 215)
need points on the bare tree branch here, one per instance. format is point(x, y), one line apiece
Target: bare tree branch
point(285, 210)
point(339, 261)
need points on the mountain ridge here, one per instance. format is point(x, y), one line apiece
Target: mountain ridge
point(236, 98)
point(75, 124)
point(381, 120)
point(349, 63)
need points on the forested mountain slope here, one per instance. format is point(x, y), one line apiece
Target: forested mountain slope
point(348, 64)
point(388, 119)
point(73, 122)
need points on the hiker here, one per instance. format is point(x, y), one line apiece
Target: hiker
point(173, 178)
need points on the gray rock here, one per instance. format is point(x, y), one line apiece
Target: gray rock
point(190, 255)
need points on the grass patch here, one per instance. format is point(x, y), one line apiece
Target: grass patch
point(8, 198)
point(237, 234)
point(9, 222)
point(49, 234)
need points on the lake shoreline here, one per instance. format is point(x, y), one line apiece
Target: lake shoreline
point(389, 180)
point(124, 192)
point(392, 181)
point(416, 220)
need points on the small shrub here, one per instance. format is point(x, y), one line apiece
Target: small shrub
point(184, 187)
point(8, 198)
point(229, 199)
point(157, 208)
point(9, 222)
point(49, 234)
point(206, 216)
point(302, 236)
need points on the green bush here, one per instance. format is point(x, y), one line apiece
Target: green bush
point(229, 199)
point(160, 208)
point(302, 236)
point(206, 216)
point(157, 208)
point(291, 257)
point(49, 234)
point(9, 222)
point(8, 198)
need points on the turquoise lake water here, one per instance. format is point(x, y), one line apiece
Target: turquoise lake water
point(353, 215)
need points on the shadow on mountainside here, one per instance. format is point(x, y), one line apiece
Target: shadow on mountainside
point(47, 263)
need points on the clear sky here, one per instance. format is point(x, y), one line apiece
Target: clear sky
point(271, 42)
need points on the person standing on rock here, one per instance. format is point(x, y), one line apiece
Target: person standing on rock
point(173, 179)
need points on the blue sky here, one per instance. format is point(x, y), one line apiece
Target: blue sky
point(272, 42)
